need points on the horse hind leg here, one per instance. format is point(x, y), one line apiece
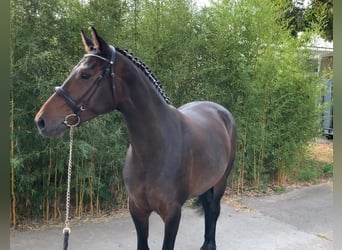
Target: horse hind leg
point(211, 212)
point(211, 205)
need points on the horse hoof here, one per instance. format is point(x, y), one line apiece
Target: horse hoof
point(208, 247)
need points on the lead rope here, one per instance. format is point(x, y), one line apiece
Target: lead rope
point(66, 230)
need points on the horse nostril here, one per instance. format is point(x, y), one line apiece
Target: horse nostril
point(41, 123)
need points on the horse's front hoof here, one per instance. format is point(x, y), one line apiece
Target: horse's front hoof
point(208, 247)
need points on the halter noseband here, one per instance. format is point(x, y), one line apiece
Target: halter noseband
point(74, 119)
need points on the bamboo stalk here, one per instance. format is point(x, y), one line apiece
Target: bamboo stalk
point(76, 191)
point(98, 192)
point(55, 194)
point(59, 197)
point(91, 195)
point(13, 203)
point(47, 216)
point(81, 194)
point(80, 204)
point(241, 177)
point(97, 204)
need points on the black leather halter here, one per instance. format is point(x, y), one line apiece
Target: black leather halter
point(80, 104)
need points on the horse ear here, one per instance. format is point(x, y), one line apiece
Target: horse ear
point(87, 42)
point(99, 44)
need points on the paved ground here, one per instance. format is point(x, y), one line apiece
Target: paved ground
point(298, 219)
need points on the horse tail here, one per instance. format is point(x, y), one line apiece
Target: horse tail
point(196, 204)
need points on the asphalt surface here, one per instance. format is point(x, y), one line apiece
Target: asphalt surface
point(298, 219)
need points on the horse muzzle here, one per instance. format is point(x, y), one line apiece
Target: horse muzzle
point(52, 130)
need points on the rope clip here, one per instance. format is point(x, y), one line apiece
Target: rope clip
point(72, 120)
point(66, 230)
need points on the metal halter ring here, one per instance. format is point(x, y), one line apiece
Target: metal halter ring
point(72, 120)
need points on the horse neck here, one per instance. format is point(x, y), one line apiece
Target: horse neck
point(144, 108)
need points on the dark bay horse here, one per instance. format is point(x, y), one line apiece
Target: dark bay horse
point(174, 155)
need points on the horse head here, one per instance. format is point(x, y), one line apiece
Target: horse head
point(87, 92)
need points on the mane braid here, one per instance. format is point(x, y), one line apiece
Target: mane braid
point(147, 72)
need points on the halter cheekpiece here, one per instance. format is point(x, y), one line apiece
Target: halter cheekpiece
point(73, 120)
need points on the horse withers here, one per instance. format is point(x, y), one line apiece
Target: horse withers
point(174, 154)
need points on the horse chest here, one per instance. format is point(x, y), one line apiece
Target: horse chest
point(142, 181)
point(147, 193)
point(150, 187)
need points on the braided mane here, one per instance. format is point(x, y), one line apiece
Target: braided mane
point(147, 72)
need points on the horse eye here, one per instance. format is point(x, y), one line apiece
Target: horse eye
point(85, 75)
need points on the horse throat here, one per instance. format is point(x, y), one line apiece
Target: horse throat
point(144, 104)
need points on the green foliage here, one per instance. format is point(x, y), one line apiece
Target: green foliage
point(308, 174)
point(318, 15)
point(236, 53)
point(328, 170)
point(313, 170)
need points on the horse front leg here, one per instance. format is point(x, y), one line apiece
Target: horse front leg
point(141, 221)
point(171, 220)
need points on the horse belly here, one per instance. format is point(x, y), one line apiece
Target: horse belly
point(156, 195)
point(206, 171)
point(152, 187)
